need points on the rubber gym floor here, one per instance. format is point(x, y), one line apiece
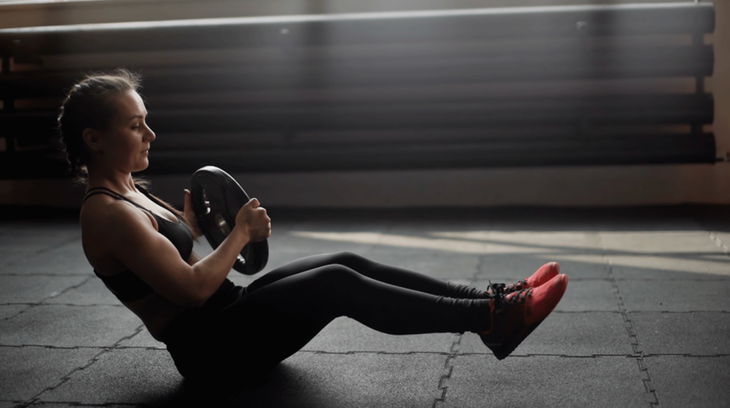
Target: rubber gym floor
point(645, 321)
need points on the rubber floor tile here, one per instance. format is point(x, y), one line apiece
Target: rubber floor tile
point(569, 334)
point(545, 382)
point(677, 271)
point(33, 289)
point(127, 376)
point(675, 296)
point(90, 293)
point(519, 266)
point(69, 326)
point(348, 380)
point(345, 335)
point(65, 259)
point(698, 333)
point(143, 339)
point(10, 311)
point(683, 266)
point(27, 371)
point(688, 382)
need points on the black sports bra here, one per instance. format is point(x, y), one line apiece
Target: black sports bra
point(127, 286)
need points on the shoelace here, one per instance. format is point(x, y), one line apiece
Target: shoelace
point(497, 292)
point(494, 289)
point(518, 297)
point(514, 287)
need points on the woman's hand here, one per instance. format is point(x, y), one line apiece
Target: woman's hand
point(254, 221)
point(190, 217)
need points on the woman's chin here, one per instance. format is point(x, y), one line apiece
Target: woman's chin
point(142, 166)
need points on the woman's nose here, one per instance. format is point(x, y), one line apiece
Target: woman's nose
point(150, 134)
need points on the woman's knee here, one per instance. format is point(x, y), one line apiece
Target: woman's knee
point(349, 259)
point(336, 276)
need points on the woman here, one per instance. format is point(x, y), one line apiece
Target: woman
point(141, 248)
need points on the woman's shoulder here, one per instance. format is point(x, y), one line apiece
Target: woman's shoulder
point(102, 216)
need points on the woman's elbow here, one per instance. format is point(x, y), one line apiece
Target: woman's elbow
point(195, 302)
point(195, 297)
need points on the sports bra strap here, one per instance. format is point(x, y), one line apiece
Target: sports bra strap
point(103, 190)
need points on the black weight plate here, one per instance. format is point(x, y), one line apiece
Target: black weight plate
point(216, 198)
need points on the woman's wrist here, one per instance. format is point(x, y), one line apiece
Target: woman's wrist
point(240, 236)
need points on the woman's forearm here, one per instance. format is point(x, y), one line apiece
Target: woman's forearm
point(211, 270)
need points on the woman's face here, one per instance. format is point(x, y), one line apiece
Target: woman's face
point(125, 146)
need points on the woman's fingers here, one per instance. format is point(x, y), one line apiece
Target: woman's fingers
point(189, 214)
point(254, 219)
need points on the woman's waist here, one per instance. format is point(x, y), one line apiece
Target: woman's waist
point(155, 312)
point(224, 296)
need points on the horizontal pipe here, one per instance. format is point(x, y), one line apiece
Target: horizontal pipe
point(415, 26)
point(645, 149)
point(587, 112)
point(655, 62)
point(623, 150)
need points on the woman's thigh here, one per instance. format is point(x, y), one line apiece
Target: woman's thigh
point(374, 270)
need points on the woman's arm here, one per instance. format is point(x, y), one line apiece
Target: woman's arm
point(130, 236)
point(193, 258)
point(190, 217)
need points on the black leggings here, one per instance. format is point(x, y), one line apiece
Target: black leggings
point(279, 313)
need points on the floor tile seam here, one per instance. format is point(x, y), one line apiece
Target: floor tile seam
point(115, 345)
point(448, 368)
point(716, 239)
point(65, 290)
point(31, 306)
point(376, 352)
point(48, 275)
point(66, 377)
point(631, 331)
point(105, 347)
point(38, 304)
point(595, 279)
point(586, 311)
point(81, 404)
point(680, 311)
point(714, 279)
point(91, 362)
point(558, 355)
point(54, 347)
point(689, 355)
point(687, 255)
point(41, 251)
point(20, 312)
point(557, 249)
point(604, 355)
point(503, 278)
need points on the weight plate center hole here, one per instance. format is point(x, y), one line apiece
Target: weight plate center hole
point(222, 225)
point(207, 203)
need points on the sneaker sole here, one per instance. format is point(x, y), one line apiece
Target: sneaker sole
point(503, 350)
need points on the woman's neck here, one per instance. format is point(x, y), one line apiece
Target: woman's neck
point(121, 183)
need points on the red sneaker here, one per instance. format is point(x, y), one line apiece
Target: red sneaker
point(542, 275)
point(516, 315)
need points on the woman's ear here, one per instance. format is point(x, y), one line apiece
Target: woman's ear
point(91, 137)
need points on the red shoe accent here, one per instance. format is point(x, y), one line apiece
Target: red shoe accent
point(516, 315)
point(541, 276)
